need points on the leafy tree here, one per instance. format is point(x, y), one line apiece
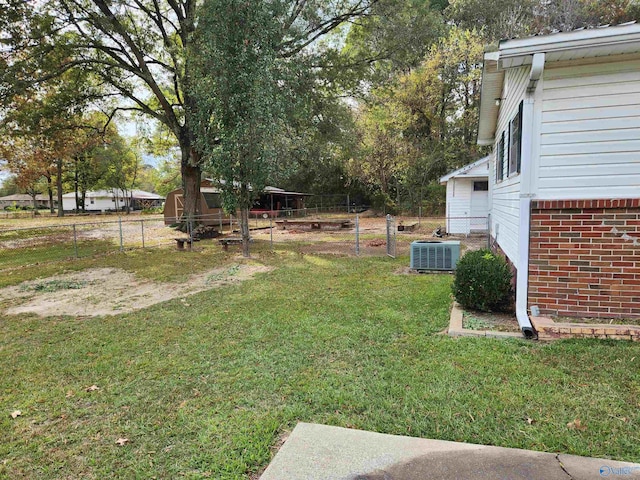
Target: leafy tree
point(142, 51)
point(8, 186)
point(240, 100)
point(424, 124)
point(51, 116)
point(319, 149)
point(166, 176)
point(26, 158)
point(393, 38)
point(498, 19)
point(122, 166)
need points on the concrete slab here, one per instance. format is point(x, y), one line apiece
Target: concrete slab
point(320, 452)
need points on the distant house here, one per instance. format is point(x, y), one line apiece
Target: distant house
point(24, 200)
point(272, 201)
point(562, 112)
point(467, 198)
point(112, 200)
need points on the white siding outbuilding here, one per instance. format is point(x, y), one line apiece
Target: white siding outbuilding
point(467, 198)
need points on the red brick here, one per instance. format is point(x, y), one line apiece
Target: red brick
point(595, 272)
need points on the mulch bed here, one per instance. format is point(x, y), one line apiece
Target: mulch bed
point(499, 322)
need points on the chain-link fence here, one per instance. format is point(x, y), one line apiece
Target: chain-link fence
point(337, 231)
point(49, 239)
point(466, 225)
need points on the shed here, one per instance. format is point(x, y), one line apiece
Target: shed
point(273, 201)
point(467, 198)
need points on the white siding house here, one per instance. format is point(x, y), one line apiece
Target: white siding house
point(562, 112)
point(112, 200)
point(467, 198)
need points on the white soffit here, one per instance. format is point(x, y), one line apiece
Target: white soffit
point(491, 91)
point(562, 46)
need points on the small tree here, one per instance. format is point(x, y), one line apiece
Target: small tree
point(122, 168)
point(241, 101)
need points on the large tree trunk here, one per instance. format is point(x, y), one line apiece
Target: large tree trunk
point(191, 173)
point(75, 185)
point(59, 186)
point(50, 191)
point(244, 228)
point(127, 201)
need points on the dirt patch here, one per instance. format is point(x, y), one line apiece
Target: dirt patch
point(499, 322)
point(111, 291)
point(378, 242)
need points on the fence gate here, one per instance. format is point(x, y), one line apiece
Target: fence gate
point(391, 236)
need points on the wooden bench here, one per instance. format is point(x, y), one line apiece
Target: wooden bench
point(225, 242)
point(406, 227)
point(181, 241)
point(314, 224)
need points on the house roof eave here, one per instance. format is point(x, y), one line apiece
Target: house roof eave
point(461, 171)
point(490, 92)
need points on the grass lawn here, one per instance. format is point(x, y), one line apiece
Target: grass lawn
point(204, 388)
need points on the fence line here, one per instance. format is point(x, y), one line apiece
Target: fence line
point(366, 235)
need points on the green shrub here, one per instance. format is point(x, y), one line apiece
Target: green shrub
point(483, 282)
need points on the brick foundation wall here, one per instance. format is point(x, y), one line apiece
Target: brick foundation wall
point(584, 257)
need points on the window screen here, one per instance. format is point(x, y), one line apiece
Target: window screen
point(212, 200)
point(480, 186)
point(515, 142)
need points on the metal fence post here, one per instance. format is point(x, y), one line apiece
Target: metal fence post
point(121, 239)
point(271, 230)
point(220, 223)
point(419, 215)
point(391, 239)
point(230, 223)
point(142, 231)
point(488, 231)
point(388, 233)
point(357, 235)
point(395, 240)
point(75, 241)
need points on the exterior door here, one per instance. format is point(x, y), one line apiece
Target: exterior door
point(179, 198)
point(479, 205)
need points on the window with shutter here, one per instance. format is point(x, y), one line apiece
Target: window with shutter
point(500, 159)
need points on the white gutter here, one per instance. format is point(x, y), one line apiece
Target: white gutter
point(526, 193)
point(586, 38)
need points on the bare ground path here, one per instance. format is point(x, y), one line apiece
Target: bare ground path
point(111, 291)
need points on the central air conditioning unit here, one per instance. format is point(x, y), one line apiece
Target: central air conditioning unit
point(435, 254)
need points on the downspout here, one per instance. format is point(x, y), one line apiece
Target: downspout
point(526, 193)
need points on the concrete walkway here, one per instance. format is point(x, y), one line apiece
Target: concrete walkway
point(320, 452)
